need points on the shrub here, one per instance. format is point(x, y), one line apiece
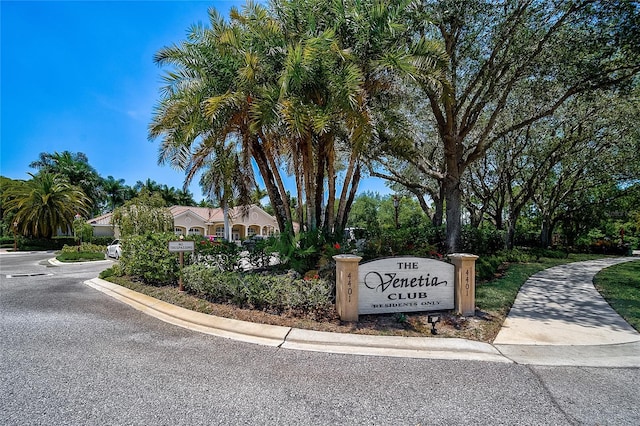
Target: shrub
point(487, 266)
point(56, 243)
point(79, 256)
point(422, 241)
point(514, 255)
point(84, 247)
point(109, 272)
point(276, 292)
point(6, 241)
point(220, 254)
point(548, 253)
point(147, 258)
point(481, 240)
point(102, 241)
point(260, 253)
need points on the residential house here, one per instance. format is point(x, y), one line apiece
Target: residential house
point(244, 222)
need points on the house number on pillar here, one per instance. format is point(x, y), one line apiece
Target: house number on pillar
point(467, 286)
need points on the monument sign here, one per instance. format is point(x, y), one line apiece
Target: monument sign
point(405, 284)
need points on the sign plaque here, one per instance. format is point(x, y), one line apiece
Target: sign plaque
point(405, 284)
point(181, 246)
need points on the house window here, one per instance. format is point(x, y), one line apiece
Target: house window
point(195, 231)
point(251, 231)
point(178, 231)
point(220, 231)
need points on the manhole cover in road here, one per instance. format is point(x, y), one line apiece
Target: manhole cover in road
point(26, 275)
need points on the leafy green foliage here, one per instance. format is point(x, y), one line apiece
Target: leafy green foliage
point(6, 241)
point(222, 255)
point(55, 243)
point(84, 247)
point(82, 230)
point(484, 240)
point(299, 252)
point(76, 170)
point(143, 214)
point(79, 256)
point(44, 204)
point(146, 257)
point(273, 292)
point(423, 241)
point(261, 253)
point(101, 241)
point(109, 272)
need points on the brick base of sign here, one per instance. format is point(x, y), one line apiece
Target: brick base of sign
point(404, 284)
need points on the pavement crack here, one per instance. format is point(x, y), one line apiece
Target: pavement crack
point(284, 340)
point(570, 419)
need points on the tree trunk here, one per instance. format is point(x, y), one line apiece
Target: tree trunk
point(321, 164)
point(227, 228)
point(309, 180)
point(438, 204)
point(453, 200)
point(330, 213)
point(348, 179)
point(280, 185)
point(277, 199)
point(545, 233)
point(512, 220)
point(352, 195)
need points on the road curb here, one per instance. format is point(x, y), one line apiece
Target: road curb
point(269, 335)
point(622, 355)
point(298, 339)
point(618, 355)
point(393, 346)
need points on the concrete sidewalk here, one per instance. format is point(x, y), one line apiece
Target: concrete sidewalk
point(558, 319)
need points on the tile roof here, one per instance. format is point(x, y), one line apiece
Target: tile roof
point(105, 219)
point(209, 215)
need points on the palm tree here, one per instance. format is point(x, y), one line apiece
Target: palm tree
point(45, 204)
point(216, 74)
point(226, 182)
point(75, 168)
point(184, 197)
point(257, 195)
point(149, 185)
point(299, 87)
point(114, 191)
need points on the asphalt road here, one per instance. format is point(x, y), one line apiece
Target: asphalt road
point(73, 356)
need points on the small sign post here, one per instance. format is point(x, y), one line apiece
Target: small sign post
point(181, 247)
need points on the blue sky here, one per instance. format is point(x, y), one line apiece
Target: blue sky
point(79, 76)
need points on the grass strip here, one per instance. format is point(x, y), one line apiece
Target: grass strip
point(620, 286)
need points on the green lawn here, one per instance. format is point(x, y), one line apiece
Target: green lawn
point(620, 286)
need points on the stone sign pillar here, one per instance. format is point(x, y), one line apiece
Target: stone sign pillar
point(465, 295)
point(347, 286)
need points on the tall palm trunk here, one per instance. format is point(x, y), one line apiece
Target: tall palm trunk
point(341, 218)
point(227, 228)
point(330, 216)
point(276, 198)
